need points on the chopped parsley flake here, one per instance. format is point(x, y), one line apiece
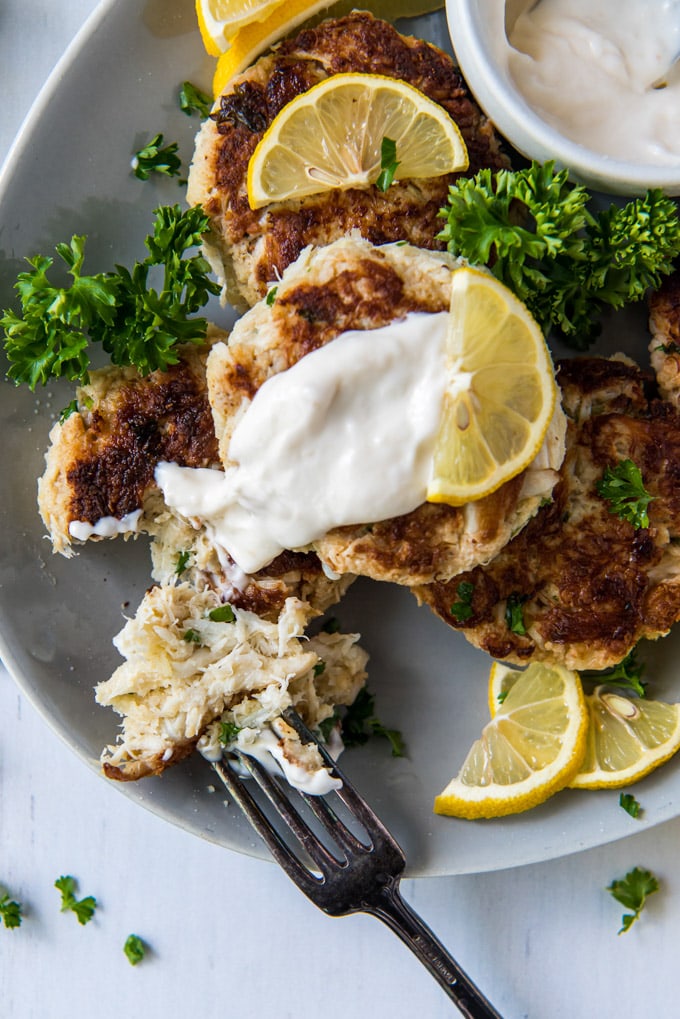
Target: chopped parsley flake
point(222, 614)
point(388, 164)
point(134, 948)
point(83, 908)
point(462, 610)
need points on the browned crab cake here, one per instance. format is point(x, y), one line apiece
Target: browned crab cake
point(250, 249)
point(352, 284)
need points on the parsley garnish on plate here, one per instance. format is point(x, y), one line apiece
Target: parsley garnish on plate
point(193, 100)
point(628, 802)
point(11, 912)
point(632, 891)
point(83, 908)
point(627, 674)
point(137, 320)
point(623, 488)
point(155, 157)
point(359, 723)
point(535, 232)
point(388, 164)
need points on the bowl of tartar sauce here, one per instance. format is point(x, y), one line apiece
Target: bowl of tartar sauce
point(591, 84)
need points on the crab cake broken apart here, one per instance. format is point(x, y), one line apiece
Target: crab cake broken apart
point(354, 289)
point(250, 249)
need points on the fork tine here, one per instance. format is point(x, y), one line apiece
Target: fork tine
point(283, 855)
point(335, 827)
point(347, 794)
point(315, 849)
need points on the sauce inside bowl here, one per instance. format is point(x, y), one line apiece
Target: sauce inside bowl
point(587, 68)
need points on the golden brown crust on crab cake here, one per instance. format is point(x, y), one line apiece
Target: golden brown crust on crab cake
point(590, 584)
point(101, 459)
point(664, 347)
point(250, 249)
point(353, 285)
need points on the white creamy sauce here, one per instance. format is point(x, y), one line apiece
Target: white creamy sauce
point(266, 748)
point(105, 527)
point(587, 66)
point(344, 436)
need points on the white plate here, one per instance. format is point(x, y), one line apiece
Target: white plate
point(69, 173)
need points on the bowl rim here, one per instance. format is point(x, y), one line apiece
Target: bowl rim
point(524, 129)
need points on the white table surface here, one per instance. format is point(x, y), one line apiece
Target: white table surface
point(230, 936)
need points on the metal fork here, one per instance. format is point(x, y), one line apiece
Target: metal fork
point(362, 877)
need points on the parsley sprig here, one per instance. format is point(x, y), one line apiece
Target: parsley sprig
point(623, 488)
point(627, 674)
point(83, 908)
point(155, 157)
point(632, 891)
point(193, 100)
point(535, 231)
point(388, 164)
point(359, 723)
point(11, 912)
point(137, 323)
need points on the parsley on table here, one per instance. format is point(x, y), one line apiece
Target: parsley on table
point(627, 674)
point(11, 912)
point(628, 802)
point(623, 488)
point(388, 164)
point(83, 908)
point(155, 157)
point(537, 235)
point(193, 100)
point(134, 948)
point(462, 610)
point(514, 613)
point(137, 323)
point(632, 891)
point(222, 614)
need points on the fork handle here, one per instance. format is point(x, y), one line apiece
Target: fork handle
point(389, 907)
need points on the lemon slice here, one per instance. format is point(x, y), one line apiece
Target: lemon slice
point(500, 392)
point(253, 39)
point(501, 678)
point(220, 20)
point(531, 748)
point(331, 137)
point(627, 738)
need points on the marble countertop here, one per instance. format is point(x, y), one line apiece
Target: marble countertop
point(229, 935)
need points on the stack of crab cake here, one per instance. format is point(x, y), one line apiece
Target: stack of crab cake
point(589, 584)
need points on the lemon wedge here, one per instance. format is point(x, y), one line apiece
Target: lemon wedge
point(500, 392)
point(531, 748)
point(627, 738)
point(332, 135)
point(220, 20)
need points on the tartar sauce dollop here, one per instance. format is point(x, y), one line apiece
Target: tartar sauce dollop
point(587, 67)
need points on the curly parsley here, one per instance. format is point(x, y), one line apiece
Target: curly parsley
point(623, 488)
point(155, 157)
point(11, 912)
point(632, 891)
point(137, 323)
point(536, 233)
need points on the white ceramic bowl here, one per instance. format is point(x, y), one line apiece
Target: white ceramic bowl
point(477, 29)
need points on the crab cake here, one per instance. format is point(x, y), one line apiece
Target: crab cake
point(99, 482)
point(250, 249)
point(585, 585)
point(352, 285)
point(171, 690)
point(664, 348)
point(101, 459)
